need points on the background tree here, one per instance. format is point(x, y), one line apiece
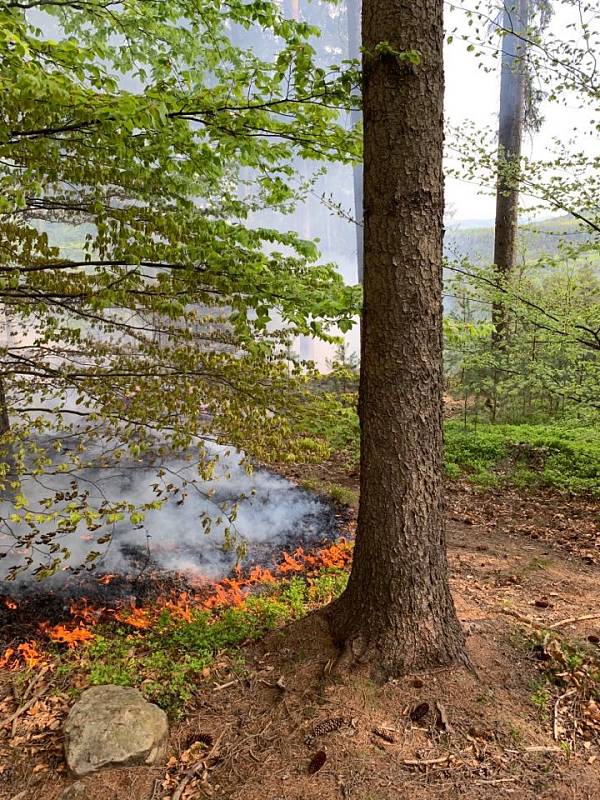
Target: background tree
point(545, 307)
point(353, 13)
point(513, 89)
point(397, 613)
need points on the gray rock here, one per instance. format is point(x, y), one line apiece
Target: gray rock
point(76, 791)
point(113, 726)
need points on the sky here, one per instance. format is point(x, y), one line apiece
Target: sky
point(473, 94)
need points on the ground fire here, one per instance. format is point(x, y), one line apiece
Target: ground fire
point(80, 616)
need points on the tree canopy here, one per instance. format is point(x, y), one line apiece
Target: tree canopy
point(157, 136)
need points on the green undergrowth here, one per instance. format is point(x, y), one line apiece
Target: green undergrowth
point(342, 495)
point(563, 456)
point(527, 456)
point(169, 660)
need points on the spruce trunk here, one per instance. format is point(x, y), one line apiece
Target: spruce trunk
point(397, 614)
point(510, 133)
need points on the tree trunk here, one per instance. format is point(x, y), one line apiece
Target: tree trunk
point(510, 134)
point(397, 614)
point(291, 9)
point(4, 418)
point(353, 11)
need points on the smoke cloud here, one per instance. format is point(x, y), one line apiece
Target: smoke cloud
point(271, 514)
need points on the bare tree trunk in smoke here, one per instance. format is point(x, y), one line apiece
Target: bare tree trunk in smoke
point(510, 134)
point(513, 87)
point(353, 11)
point(4, 418)
point(291, 9)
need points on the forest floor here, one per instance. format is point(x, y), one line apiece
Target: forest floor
point(287, 729)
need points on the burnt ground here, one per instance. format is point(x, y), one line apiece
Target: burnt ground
point(486, 737)
point(49, 601)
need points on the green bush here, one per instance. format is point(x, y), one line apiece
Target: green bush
point(563, 455)
point(560, 456)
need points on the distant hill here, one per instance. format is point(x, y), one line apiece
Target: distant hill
point(536, 239)
point(472, 239)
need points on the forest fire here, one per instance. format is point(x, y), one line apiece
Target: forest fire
point(66, 635)
point(167, 568)
point(81, 616)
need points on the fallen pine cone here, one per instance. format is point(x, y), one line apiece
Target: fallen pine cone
point(327, 726)
point(385, 735)
point(317, 762)
point(419, 712)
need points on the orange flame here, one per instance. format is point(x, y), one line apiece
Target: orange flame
point(290, 564)
point(260, 575)
point(30, 654)
point(136, 617)
point(6, 657)
point(9, 603)
point(228, 592)
point(180, 607)
point(69, 636)
point(80, 610)
point(26, 653)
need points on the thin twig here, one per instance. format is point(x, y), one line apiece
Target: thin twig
point(568, 693)
point(541, 749)
point(225, 685)
point(35, 680)
point(520, 617)
point(24, 708)
point(571, 620)
point(424, 762)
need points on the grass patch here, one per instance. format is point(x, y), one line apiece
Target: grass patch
point(540, 697)
point(342, 495)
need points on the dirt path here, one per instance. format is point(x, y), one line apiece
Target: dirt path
point(498, 741)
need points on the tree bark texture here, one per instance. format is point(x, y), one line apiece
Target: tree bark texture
point(510, 133)
point(397, 613)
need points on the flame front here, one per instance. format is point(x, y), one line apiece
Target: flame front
point(209, 596)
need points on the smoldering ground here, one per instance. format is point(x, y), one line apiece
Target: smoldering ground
point(202, 529)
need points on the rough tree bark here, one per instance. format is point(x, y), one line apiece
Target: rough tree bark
point(513, 83)
point(397, 614)
point(353, 12)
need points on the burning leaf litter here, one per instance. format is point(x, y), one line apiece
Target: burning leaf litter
point(229, 592)
point(69, 636)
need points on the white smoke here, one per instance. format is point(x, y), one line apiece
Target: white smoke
point(271, 513)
